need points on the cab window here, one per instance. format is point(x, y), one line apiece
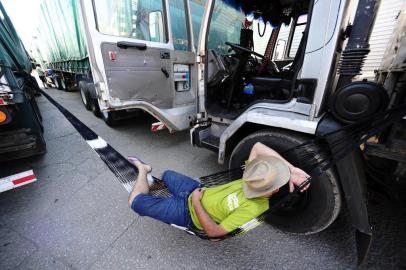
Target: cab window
point(179, 30)
point(297, 35)
point(178, 24)
point(262, 33)
point(283, 50)
point(281, 43)
point(225, 26)
point(197, 10)
point(138, 19)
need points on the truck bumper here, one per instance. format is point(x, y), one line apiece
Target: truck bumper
point(20, 143)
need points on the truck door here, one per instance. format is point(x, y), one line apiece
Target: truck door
point(142, 56)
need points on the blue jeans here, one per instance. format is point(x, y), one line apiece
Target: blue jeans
point(173, 210)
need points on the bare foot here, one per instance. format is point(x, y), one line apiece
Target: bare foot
point(142, 167)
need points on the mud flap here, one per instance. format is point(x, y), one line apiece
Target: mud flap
point(353, 184)
point(363, 242)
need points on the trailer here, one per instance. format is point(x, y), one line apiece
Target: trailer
point(60, 44)
point(21, 130)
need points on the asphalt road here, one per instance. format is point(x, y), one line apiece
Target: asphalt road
point(76, 216)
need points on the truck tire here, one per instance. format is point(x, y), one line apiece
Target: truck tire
point(94, 102)
point(58, 82)
point(96, 108)
point(64, 85)
point(85, 95)
point(316, 208)
point(109, 118)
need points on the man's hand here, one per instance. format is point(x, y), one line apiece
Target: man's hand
point(297, 177)
point(211, 228)
point(197, 194)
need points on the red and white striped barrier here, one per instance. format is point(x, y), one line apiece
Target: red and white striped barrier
point(17, 180)
point(157, 126)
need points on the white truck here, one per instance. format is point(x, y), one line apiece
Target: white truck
point(124, 55)
point(298, 90)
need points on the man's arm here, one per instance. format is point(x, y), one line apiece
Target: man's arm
point(211, 228)
point(297, 176)
point(260, 149)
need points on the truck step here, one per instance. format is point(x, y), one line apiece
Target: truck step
point(211, 142)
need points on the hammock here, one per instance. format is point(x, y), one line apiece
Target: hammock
point(356, 135)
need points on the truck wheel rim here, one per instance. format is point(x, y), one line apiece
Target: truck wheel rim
point(82, 95)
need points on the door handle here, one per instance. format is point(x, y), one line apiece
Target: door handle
point(126, 45)
point(164, 71)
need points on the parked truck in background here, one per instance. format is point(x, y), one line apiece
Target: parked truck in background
point(306, 84)
point(60, 43)
point(124, 55)
point(21, 130)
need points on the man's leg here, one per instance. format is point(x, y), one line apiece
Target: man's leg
point(179, 184)
point(141, 185)
point(172, 210)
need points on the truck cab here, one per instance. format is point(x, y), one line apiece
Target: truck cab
point(142, 57)
point(266, 81)
point(283, 74)
point(288, 86)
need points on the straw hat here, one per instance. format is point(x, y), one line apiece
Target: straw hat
point(264, 174)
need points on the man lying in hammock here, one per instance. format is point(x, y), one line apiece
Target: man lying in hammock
point(220, 209)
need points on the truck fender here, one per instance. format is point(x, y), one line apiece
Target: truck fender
point(268, 117)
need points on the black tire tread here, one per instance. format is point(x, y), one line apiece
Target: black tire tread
point(96, 108)
point(110, 121)
point(83, 87)
point(295, 139)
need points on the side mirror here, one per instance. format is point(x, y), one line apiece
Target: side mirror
point(156, 26)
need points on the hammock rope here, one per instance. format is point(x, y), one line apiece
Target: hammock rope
point(356, 134)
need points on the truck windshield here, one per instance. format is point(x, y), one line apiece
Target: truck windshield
point(225, 26)
point(138, 19)
point(227, 23)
